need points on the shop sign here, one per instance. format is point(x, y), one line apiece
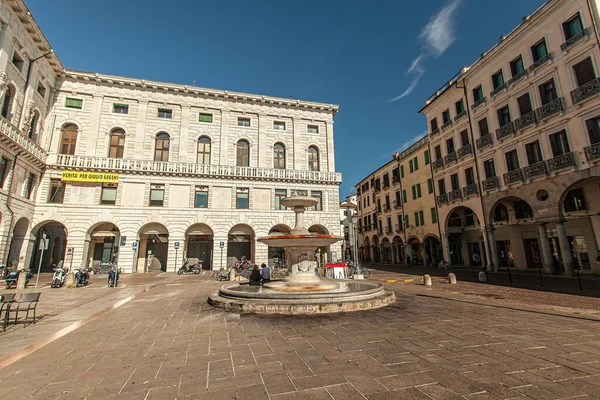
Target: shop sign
point(82, 176)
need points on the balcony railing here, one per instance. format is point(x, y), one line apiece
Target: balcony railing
point(535, 169)
point(585, 33)
point(513, 176)
point(490, 183)
point(550, 108)
point(387, 208)
point(386, 185)
point(450, 157)
point(398, 228)
point(20, 138)
point(190, 169)
point(478, 103)
point(395, 180)
point(434, 132)
point(465, 150)
point(470, 190)
point(437, 164)
point(460, 115)
point(518, 77)
point(586, 91)
point(485, 140)
point(397, 204)
point(525, 121)
point(447, 124)
point(442, 198)
point(540, 62)
point(498, 89)
point(455, 195)
point(505, 130)
point(592, 153)
point(388, 231)
point(563, 161)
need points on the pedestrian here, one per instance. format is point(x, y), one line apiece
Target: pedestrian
point(255, 276)
point(265, 272)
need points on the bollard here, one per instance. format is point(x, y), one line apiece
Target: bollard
point(427, 280)
point(70, 279)
point(482, 276)
point(232, 274)
point(451, 278)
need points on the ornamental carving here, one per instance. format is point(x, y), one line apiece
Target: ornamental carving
point(3, 80)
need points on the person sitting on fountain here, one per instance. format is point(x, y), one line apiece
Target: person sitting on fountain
point(255, 276)
point(265, 272)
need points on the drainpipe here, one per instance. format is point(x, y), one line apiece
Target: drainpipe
point(10, 236)
point(594, 22)
point(437, 214)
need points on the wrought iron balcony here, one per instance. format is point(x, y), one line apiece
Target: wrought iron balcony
point(434, 132)
point(379, 212)
point(397, 204)
point(10, 133)
point(541, 61)
point(450, 157)
point(455, 195)
point(505, 130)
point(447, 124)
point(387, 208)
point(395, 180)
point(478, 103)
point(437, 164)
point(465, 150)
point(459, 116)
point(592, 153)
point(550, 108)
point(525, 121)
point(560, 162)
point(518, 77)
point(535, 169)
point(386, 185)
point(585, 33)
point(470, 190)
point(485, 140)
point(586, 91)
point(491, 183)
point(442, 198)
point(513, 176)
point(64, 161)
point(499, 89)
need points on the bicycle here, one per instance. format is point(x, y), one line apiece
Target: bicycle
point(220, 275)
point(442, 264)
point(358, 270)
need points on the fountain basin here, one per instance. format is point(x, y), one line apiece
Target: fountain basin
point(309, 240)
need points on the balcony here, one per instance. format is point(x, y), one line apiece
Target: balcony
point(584, 34)
point(455, 195)
point(470, 190)
point(478, 103)
point(491, 183)
point(10, 133)
point(377, 189)
point(398, 228)
point(498, 89)
point(560, 162)
point(485, 140)
point(586, 91)
point(505, 130)
point(447, 124)
point(535, 169)
point(387, 208)
point(386, 185)
point(450, 157)
point(540, 62)
point(397, 205)
point(437, 164)
point(460, 115)
point(388, 231)
point(434, 132)
point(550, 108)
point(513, 176)
point(525, 121)
point(63, 161)
point(442, 198)
point(379, 212)
point(465, 150)
point(395, 180)
point(517, 77)
point(592, 153)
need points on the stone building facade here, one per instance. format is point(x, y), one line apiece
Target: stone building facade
point(146, 173)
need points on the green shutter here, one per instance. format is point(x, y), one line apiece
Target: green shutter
point(410, 164)
point(406, 221)
point(422, 217)
point(416, 219)
point(416, 163)
point(430, 185)
point(402, 171)
point(418, 190)
point(206, 118)
point(404, 197)
point(426, 157)
point(74, 103)
point(433, 216)
point(414, 192)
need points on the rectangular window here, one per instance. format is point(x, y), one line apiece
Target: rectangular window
point(278, 125)
point(477, 94)
point(319, 197)
point(414, 192)
point(442, 186)
point(404, 196)
point(512, 160)
point(109, 194)
point(406, 221)
point(312, 129)
point(433, 216)
point(400, 226)
point(418, 190)
point(157, 195)
point(446, 116)
point(3, 168)
point(17, 61)
point(548, 92)
point(464, 137)
point(438, 152)
point(593, 128)
point(417, 219)
point(386, 180)
point(204, 117)
point(534, 153)
point(410, 166)
point(422, 218)
point(280, 194)
point(120, 108)
point(490, 168)
point(517, 66)
point(426, 156)
point(539, 50)
point(572, 27)
point(504, 116)
point(242, 198)
point(395, 175)
point(574, 200)
point(498, 79)
point(416, 163)
point(29, 185)
point(41, 89)
point(398, 201)
point(460, 107)
point(559, 144)
point(73, 103)
point(524, 104)
point(584, 72)
point(165, 113)
point(469, 176)
point(434, 125)
point(484, 129)
point(429, 185)
point(56, 194)
point(387, 201)
point(450, 145)
point(201, 197)
point(454, 181)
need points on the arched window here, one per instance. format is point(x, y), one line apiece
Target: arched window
point(117, 143)
point(454, 220)
point(279, 156)
point(9, 96)
point(500, 213)
point(68, 139)
point(243, 154)
point(33, 125)
point(313, 159)
point(161, 148)
point(203, 155)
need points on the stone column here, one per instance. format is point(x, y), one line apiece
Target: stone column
point(545, 247)
point(493, 250)
point(446, 247)
point(487, 250)
point(565, 249)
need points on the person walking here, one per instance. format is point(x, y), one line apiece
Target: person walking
point(265, 272)
point(255, 276)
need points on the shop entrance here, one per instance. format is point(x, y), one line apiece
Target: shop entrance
point(154, 247)
point(240, 244)
point(199, 242)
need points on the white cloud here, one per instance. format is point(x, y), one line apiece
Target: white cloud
point(411, 141)
point(414, 66)
point(412, 86)
point(438, 34)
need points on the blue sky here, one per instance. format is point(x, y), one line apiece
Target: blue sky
point(358, 54)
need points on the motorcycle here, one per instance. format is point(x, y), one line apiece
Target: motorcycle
point(244, 264)
point(11, 279)
point(188, 267)
point(113, 276)
point(60, 273)
point(82, 277)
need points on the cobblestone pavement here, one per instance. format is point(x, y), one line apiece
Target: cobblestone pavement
point(169, 343)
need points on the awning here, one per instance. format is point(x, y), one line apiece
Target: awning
point(102, 234)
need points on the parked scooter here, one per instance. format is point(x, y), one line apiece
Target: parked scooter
point(11, 278)
point(82, 277)
point(60, 273)
point(113, 276)
point(188, 267)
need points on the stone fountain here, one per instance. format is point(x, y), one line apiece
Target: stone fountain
point(303, 291)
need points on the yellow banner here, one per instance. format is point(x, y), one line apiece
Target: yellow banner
point(79, 176)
